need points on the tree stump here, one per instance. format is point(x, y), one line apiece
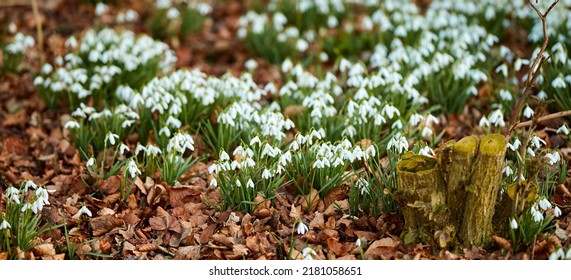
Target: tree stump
point(453, 195)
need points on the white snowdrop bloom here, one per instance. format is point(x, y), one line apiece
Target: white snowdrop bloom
point(399, 143)
point(558, 82)
point(180, 143)
point(544, 204)
point(557, 213)
point(332, 21)
point(323, 57)
point(426, 133)
point(528, 112)
point(131, 15)
point(563, 130)
point(427, 152)
point(505, 95)
point(398, 125)
point(5, 225)
point(279, 21)
point(90, 162)
point(47, 69)
point(13, 194)
point(349, 131)
point(251, 64)
point(367, 23)
point(542, 95)
point(127, 123)
point(363, 185)
point(318, 164)
point(497, 118)
point(266, 174)
point(250, 184)
point(71, 124)
point(308, 253)
point(152, 150)
point(507, 170)
point(123, 148)
point(111, 138)
point(537, 216)
point(530, 152)
point(516, 144)
point(133, 168)
point(100, 9)
point(12, 28)
point(371, 151)
point(302, 228)
point(255, 140)
point(390, 111)
point(213, 182)
point(415, 119)
point(301, 45)
point(140, 148)
point(165, 131)
point(30, 185)
point(84, 210)
point(430, 119)
point(519, 62)
point(358, 242)
point(173, 13)
point(553, 158)
point(502, 69)
point(537, 142)
point(173, 122)
point(287, 65)
point(513, 224)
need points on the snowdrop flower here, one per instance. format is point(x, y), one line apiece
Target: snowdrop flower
point(301, 45)
point(516, 144)
point(266, 174)
point(358, 242)
point(30, 185)
point(224, 156)
point(250, 184)
point(537, 216)
point(507, 170)
point(302, 228)
point(427, 152)
point(5, 225)
point(308, 253)
point(123, 148)
point(255, 140)
point(13, 194)
point(553, 158)
point(536, 142)
point(563, 130)
point(557, 213)
point(72, 124)
point(318, 164)
point(544, 204)
point(502, 69)
point(12, 28)
point(173, 13)
point(111, 138)
point(513, 224)
point(83, 210)
point(100, 9)
point(484, 122)
point(505, 95)
point(497, 118)
point(426, 133)
point(133, 169)
point(90, 162)
point(558, 83)
point(251, 64)
point(528, 112)
point(363, 185)
point(287, 65)
point(542, 95)
point(530, 152)
point(213, 183)
point(152, 150)
point(399, 143)
point(415, 119)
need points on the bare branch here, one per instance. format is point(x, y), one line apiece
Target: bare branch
point(544, 119)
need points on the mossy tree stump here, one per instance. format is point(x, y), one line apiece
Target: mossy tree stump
point(454, 195)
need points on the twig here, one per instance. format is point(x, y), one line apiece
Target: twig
point(534, 68)
point(39, 32)
point(544, 119)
